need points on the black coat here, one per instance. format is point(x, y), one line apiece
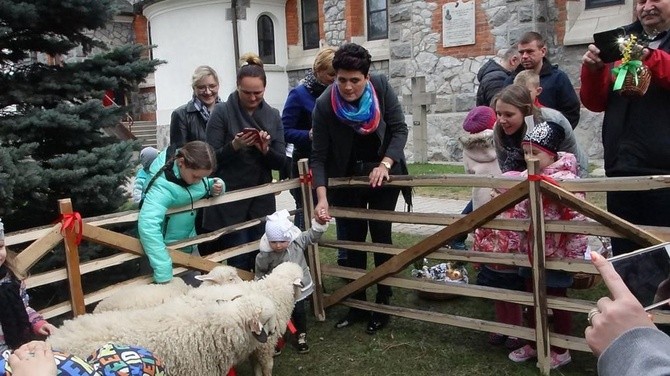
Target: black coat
point(186, 125)
point(332, 141)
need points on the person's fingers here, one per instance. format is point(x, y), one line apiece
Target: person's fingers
point(611, 278)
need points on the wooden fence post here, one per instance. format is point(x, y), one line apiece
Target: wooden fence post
point(314, 261)
point(538, 265)
point(72, 259)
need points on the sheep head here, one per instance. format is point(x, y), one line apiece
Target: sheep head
point(220, 275)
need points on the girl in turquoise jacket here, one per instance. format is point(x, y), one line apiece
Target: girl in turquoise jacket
point(178, 178)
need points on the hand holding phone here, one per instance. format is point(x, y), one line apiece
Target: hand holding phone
point(607, 43)
point(646, 273)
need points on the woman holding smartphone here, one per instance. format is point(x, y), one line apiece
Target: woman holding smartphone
point(245, 158)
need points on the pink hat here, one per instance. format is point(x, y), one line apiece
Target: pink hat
point(479, 119)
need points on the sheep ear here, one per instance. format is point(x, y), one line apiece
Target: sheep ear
point(203, 278)
point(298, 283)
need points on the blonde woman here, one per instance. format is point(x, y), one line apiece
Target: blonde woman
point(188, 121)
point(297, 115)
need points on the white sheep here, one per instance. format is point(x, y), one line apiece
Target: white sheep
point(145, 296)
point(204, 332)
point(201, 338)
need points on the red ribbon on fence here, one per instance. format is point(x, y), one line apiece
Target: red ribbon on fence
point(546, 178)
point(306, 179)
point(71, 222)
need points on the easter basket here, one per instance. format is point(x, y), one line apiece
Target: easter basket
point(583, 281)
point(636, 87)
point(446, 272)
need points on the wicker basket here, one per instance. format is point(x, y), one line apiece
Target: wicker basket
point(629, 87)
point(583, 281)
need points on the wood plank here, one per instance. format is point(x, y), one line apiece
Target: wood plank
point(35, 251)
point(36, 280)
point(72, 259)
point(433, 242)
point(621, 226)
point(129, 244)
point(572, 343)
point(313, 257)
point(538, 248)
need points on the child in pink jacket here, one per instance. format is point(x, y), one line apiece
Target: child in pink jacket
point(543, 143)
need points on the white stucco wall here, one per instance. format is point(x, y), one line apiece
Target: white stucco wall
point(189, 33)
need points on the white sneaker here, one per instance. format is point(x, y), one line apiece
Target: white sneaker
point(523, 354)
point(558, 360)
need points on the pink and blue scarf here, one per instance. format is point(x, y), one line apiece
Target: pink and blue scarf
point(363, 118)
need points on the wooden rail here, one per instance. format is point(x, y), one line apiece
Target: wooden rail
point(40, 241)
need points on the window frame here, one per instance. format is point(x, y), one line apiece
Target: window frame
point(594, 4)
point(369, 13)
point(263, 42)
point(305, 22)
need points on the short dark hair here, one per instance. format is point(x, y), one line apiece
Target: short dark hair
point(352, 57)
point(532, 36)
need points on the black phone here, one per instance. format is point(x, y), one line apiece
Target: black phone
point(646, 273)
point(607, 43)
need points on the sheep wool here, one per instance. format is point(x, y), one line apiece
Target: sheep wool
point(145, 296)
point(218, 332)
point(214, 320)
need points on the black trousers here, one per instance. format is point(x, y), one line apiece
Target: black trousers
point(641, 208)
point(357, 229)
point(299, 316)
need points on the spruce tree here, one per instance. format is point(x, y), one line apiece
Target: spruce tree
point(51, 116)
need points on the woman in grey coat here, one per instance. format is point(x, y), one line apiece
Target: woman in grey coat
point(245, 159)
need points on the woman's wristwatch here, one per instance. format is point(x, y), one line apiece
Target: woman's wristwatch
point(387, 165)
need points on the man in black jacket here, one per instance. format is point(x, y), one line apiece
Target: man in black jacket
point(557, 90)
point(492, 76)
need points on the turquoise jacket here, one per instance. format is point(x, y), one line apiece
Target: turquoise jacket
point(156, 229)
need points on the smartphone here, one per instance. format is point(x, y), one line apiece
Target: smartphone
point(254, 131)
point(646, 272)
point(607, 43)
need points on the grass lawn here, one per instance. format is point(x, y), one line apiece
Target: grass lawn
point(408, 347)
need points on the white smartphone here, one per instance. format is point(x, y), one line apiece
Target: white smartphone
point(646, 272)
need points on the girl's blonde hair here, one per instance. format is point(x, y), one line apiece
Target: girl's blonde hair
point(251, 66)
point(324, 60)
point(202, 72)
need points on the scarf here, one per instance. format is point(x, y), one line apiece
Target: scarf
point(202, 109)
point(16, 326)
point(363, 118)
point(313, 86)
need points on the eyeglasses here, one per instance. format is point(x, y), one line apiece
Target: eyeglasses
point(203, 88)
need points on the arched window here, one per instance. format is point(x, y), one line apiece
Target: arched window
point(266, 39)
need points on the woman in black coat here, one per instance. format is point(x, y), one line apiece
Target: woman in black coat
point(359, 130)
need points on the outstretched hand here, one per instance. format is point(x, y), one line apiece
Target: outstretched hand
point(617, 315)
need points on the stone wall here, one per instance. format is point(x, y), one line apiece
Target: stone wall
point(416, 50)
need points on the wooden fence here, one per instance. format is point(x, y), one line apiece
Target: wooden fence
point(92, 230)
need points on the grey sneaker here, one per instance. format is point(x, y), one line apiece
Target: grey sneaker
point(302, 344)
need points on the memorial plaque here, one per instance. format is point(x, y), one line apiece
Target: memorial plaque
point(458, 23)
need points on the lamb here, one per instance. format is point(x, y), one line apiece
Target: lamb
point(214, 320)
point(145, 296)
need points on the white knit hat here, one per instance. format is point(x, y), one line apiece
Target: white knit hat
point(279, 228)
point(2, 230)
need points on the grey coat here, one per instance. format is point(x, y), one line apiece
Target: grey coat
point(246, 167)
point(267, 260)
